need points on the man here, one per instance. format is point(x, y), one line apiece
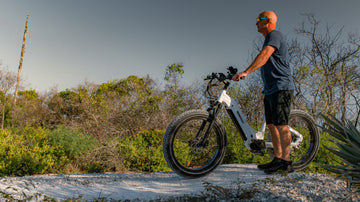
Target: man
point(278, 90)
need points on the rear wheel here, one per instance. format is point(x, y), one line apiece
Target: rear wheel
point(185, 152)
point(305, 152)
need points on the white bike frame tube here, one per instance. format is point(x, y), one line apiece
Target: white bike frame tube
point(249, 133)
point(233, 108)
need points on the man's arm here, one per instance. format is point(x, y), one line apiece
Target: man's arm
point(259, 61)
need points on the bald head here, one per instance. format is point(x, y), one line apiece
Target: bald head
point(269, 25)
point(271, 15)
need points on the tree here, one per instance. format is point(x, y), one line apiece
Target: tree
point(30, 110)
point(172, 74)
point(179, 98)
point(7, 82)
point(326, 68)
point(20, 64)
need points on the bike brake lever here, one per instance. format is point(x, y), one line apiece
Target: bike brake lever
point(209, 77)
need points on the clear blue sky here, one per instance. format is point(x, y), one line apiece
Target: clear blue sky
point(73, 40)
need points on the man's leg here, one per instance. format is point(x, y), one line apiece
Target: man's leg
point(277, 110)
point(285, 145)
point(275, 137)
point(285, 139)
point(276, 140)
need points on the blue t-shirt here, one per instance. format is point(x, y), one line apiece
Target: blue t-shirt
point(276, 73)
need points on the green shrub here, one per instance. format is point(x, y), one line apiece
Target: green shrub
point(322, 157)
point(237, 153)
point(94, 167)
point(71, 143)
point(144, 151)
point(25, 152)
point(36, 150)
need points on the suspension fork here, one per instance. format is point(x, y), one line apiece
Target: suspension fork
point(213, 111)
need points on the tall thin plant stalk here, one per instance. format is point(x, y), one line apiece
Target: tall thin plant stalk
point(19, 70)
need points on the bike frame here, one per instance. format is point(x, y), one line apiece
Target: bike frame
point(248, 134)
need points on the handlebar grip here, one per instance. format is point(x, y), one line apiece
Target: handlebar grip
point(241, 78)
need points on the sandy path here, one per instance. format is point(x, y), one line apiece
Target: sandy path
point(124, 186)
point(295, 186)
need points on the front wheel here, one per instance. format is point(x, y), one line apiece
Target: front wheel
point(305, 152)
point(186, 151)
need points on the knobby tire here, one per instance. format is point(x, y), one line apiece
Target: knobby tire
point(305, 154)
point(181, 147)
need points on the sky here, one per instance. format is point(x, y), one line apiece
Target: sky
point(73, 41)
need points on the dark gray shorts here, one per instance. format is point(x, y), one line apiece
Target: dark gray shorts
point(277, 107)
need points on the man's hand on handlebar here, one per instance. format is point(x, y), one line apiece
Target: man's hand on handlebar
point(239, 76)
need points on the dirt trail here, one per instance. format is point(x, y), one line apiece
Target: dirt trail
point(155, 185)
point(124, 186)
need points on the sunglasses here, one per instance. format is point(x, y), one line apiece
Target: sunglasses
point(259, 19)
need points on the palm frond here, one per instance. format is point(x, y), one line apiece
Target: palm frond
point(347, 141)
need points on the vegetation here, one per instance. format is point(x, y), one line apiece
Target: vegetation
point(36, 150)
point(143, 152)
point(347, 140)
point(118, 125)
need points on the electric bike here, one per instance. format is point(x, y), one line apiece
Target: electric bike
point(195, 141)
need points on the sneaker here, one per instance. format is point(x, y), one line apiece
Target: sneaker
point(282, 165)
point(269, 165)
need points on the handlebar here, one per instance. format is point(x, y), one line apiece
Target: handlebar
point(222, 77)
point(217, 78)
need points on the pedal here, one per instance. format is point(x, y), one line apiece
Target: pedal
point(257, 145)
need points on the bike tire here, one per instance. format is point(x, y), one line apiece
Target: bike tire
point(303, 156)
point(179, 149)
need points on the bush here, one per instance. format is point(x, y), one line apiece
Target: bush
point(106, 157)
point(72, 143)
point(37, 151)
point(322, 157)
point(238, 153)
point(26, 152)
point(144, 151)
